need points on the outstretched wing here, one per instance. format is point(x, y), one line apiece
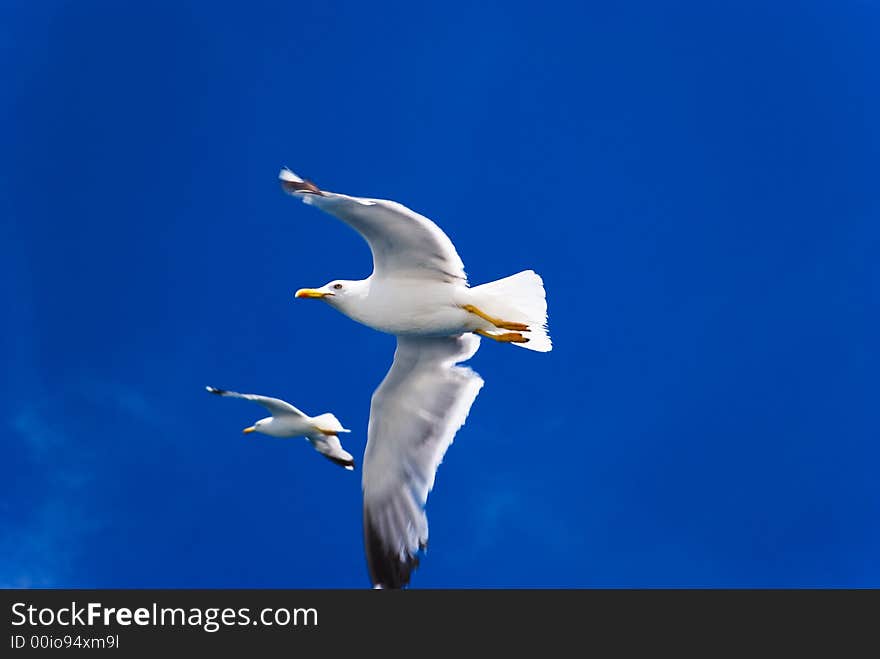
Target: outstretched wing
point(403, 242)
point(415, 413)
point(276, 406)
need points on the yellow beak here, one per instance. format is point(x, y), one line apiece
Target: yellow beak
point(310, 293)
point(249, 429)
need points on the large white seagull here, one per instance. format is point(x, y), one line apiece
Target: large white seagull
point(418, 291)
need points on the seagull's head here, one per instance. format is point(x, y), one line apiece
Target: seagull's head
point(336, 293)
point(260, 426)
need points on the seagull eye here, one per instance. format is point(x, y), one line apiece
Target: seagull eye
point(337, 286)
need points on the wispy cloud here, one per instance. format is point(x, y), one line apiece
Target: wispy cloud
point(42, 523)
point(50, 505)
point(506, 509)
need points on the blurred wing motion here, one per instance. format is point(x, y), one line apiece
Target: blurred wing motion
point(276, 406)
point(415, 413)
point(403, 242)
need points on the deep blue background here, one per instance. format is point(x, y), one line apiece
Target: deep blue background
point(698, 186)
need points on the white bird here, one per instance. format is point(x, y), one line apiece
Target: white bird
point(418, 291)
point(286, 421)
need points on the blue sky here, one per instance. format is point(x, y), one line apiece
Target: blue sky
point(697, 185)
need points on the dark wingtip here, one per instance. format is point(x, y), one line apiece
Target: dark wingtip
point(303, 186)
point(348, 464)
point(387, 569)
point(215, 390)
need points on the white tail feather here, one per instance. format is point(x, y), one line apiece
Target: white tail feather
point(287, 175)
point(518, 298)
point(328, 423)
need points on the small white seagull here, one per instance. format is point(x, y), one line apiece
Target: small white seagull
point(286, 421)
point(418, 291)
